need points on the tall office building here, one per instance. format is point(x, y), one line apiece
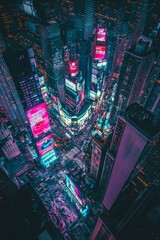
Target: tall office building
point(135, 69)
point(122, 43)
point(22, 66)
point(8, 18)
point(131, 137)
point(84, 18)
point(8, 145)
point(153, 101)
point(99, 63)
point(74, 109)
point(27, 79)
point(135, 15)
point(99, 147)
point(52, 50)
point(9, 98)
point(101, 231)
point(150, 97)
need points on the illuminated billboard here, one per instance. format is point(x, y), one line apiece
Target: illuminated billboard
point(100, 52)
point(74, 190)
point(44, 92)
point(73, 67)
point(45, 145)
point(39, 120)
point(70, 84)
point(41, 80)
point(101, 34)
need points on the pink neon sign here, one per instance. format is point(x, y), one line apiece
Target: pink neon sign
point(39, 120)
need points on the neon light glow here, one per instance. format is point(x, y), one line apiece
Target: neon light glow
point(39, 120)
point(74, 190)
point(65, 118)
point(45, 144)
point(70, 84)
point(41, 80)
point(83, 118)
point(55, 99)
point(73, 67)
point(100, 52)
point(101, 35)
point(44, 92)
point(48, 158)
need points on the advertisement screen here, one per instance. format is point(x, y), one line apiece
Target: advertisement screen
point(94, 87)
point(45, 145)
point(100, 52)
point(101, 35)
point(39, 120)
point(73, 67)
point(70, 84)
point(44, 92)
point(75, 191)
point(41, 80)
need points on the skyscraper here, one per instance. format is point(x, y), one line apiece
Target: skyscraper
point(8, 145)
point(9, 97)
point(99, 147)
point(136, 14)
point(131, 137)
point(22, 66)
point(135, 69)
point(52, 50)
point(84, 18)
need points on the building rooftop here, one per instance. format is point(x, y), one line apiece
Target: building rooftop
point(142, 119)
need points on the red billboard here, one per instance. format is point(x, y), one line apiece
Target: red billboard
point(45, 145)
point(101, 34)
point(39, 120)
point(100, 52)
point(73, 67)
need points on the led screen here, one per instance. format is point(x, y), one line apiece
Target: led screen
point(44, 92)
point(75, 191)
point(41, 80)
point(101, 35)
point(70, 84)
point(39, 120)
point(73, 67)
point(45, 145)
point(100, 52)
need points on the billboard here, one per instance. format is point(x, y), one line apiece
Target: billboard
point(39, 120)
point(74, 190)
point(73, 67)
point(100, 52)
point(70, 84)
point(41, 80)
point(101, 34)
point(45, 144)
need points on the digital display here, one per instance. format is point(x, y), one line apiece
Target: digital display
point(44, 92)
point(94, 87)
point(102, 64)
point(41, 80)
point(70, 84)
point(94, 79)
point(101, 35)
point(45, 145)
point(100, 52)
point(75, 191)
point(28, 7)
point(73, 67)
point(82, 119)
point(55, 99)
point(39, 120)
